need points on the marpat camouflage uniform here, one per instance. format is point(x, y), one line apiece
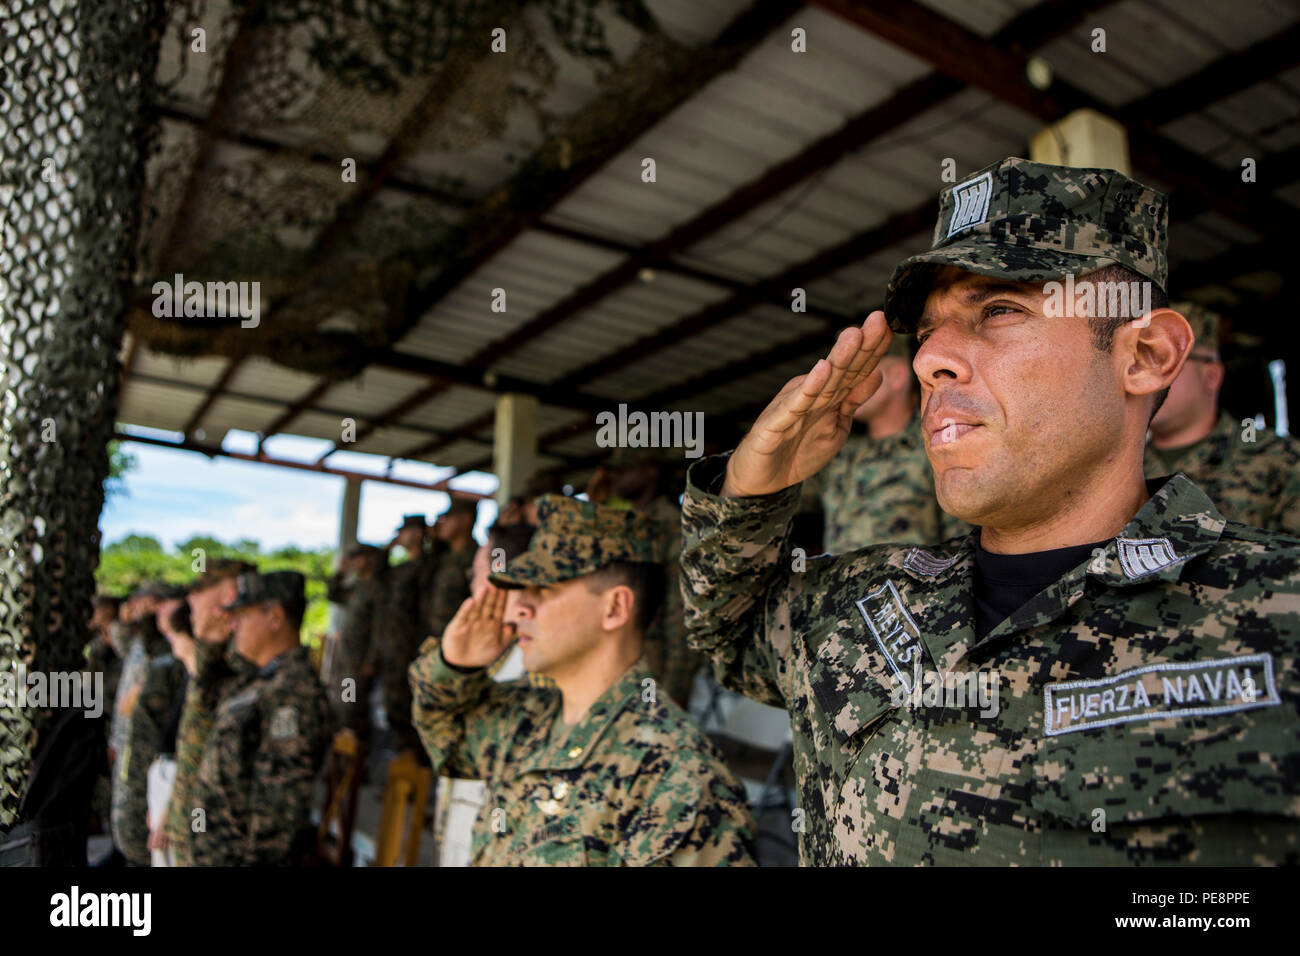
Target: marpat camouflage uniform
point(219, 671)
point(1256, 483)
point(670, 658)
point(1147, 701)
point(255, 779)
point(632, 783)
point(130, 832)
point(878, 490)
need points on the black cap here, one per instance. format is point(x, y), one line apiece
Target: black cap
point(286, 588)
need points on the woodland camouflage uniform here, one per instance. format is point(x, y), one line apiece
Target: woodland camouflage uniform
point(633, 782)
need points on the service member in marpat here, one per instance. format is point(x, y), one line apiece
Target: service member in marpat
point(1143, 649)
point(603, 769)
point(1252, 475)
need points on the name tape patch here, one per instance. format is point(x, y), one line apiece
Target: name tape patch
point(970, 203)
point(1161, 690)
point(895, 632)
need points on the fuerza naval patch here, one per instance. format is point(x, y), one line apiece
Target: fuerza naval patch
point(1161, 690)
point(895, 632)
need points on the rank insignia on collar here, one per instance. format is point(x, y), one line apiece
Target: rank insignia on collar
point(925, 563)
point(1142, 556)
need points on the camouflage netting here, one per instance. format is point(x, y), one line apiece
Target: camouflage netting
point(72, 131)
point(247, 182)
point(143, 138)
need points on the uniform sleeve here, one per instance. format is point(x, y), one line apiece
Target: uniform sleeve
point(1288, 501)
point(692, 816)
point(144, 732)
point(457, 714)
point(735, 558)
point(284, 767)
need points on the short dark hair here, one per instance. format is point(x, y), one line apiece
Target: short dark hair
point(294, 611)
point(108, 600)
point(647, 581)
point(1103, 329)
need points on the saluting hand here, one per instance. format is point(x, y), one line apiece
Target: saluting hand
point(807, 423)
point(477, 635)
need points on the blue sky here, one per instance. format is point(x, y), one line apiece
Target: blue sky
point(172, 495)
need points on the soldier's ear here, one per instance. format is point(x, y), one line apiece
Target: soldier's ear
point(619, 602)
point(1151, 351)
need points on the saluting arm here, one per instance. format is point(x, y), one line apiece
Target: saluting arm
point(454, 703)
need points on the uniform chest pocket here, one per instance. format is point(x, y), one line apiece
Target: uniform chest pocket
point(557, 843)
point(854, 691)
point(1209, 789)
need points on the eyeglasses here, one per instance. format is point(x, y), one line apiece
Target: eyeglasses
point(1202, 358)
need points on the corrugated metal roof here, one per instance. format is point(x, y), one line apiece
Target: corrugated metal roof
point(773, 105)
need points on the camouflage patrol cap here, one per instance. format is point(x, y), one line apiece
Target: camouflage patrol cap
point(286, 588)
point(219, 569)
point(1204, 323)
point(575, 537)
point(1030, 222)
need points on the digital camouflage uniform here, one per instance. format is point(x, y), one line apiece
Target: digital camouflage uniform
point(878, 490)
point(670, 657)
point(633, 782)
point(164, 683)
point(268, 740)
point(1147, 708)
point(1256, 482)
point(219, 671)
point(130, 771)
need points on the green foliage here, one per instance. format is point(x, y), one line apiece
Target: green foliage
point(119, 463)
point(129, 563)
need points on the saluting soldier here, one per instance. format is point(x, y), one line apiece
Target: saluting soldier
point(1252, 476)
point(602, 770)
point(400, 626)
point(454, 530)
point(218, 669)
point(1142, 648)
point(359, 589)
point(148, 649)
point(269, 738)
